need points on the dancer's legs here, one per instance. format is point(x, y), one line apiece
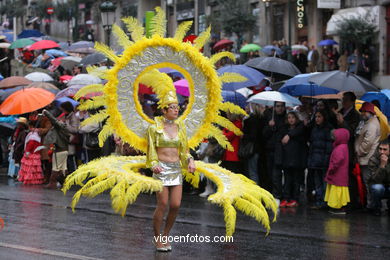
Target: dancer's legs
point(175, 193)
point(162, 202)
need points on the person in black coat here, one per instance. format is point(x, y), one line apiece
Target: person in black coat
point(275, 120)
point(291, 155)
point(252, 128)
point(319, 154)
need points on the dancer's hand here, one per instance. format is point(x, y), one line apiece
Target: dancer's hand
point(191, 166)
point(157, 169)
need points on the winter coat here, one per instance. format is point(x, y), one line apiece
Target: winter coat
point(252, 130)
point(72, 124)
point(338, 170)
point(351, 121)
point(320, 147)
point(367, 140)
point(271, 135)
point(232, 156)
point(43, 127)
point(294, 153)
point(378, 175)
point(20, 137)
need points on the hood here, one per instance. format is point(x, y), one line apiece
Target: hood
point(341, 136)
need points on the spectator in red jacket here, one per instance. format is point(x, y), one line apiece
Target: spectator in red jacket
point(230, 159)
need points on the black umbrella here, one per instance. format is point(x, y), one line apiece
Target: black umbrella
point(93, 59)
point(343, 81)
point(274, 67)
point(7, 129)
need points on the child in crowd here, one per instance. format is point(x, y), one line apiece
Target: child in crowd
point(291, 154)
point(31, 170)
point(337, 194)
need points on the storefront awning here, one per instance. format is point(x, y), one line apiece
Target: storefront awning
point(370, 13)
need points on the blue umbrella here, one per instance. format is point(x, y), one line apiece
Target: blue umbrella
point(61, 100)
point(269, 48)
point(234, 97)
point(9, 36)
point(254, 76)
point(56, 53)
point(172, 72)
point(327, 42)
point(30, 33)
point(384, 100)
point(301, 86)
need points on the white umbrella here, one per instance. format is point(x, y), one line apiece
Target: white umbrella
point(268, 98)
point(39, 77)
point(299, 47)
point(5, 45)
point(246, 92)
point(70, 61)
point(84, 79)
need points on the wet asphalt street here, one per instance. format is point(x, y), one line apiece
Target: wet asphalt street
point(38, 224)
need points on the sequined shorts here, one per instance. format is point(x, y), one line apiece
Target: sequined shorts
point(171, 175)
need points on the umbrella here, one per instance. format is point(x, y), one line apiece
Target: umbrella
point(253, 76)
point(26, 101)
point(93, 59)
point(384, 100)
point(4, 93)
point(38, 76)
point(14, 81)
point(83, 50)
point(268, 98)
point(271, 65)
point(251, 47)
point(172, 72)
point(4, 45)
point(269, 49)
point(246, 92)
point(21, 43)
point(234, 97)
point(143, 89)
point(384, 124)
point(7, 129)
point(297, 47)
point(343, 81)
point(300, 86)
point(329, 96)
point(65, 78)
point(56, 53)
point(9, 36)
point(69, 62)
point(47, 37)
point(44, 85)
point(182, 87)
point(81, 45)
point(222, 44)
point(64, 46)
point(72, 90)
point(59, 101)
point(327, 42)
point(84, 79)
point(44, 44)
point(30, 33)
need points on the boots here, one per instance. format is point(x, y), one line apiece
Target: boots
point(53, 180)
point(208, 190)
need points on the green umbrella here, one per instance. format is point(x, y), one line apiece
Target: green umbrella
point(21, 43)
point(250, 47)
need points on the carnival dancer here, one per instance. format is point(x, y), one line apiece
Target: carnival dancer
point(167, 154)
point(31, 169)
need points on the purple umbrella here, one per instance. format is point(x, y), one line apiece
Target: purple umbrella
point(327, 42)
point(72, 90)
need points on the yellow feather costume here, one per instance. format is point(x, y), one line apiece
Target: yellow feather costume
point(124, 117)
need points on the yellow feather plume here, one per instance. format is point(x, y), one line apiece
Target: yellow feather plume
point(88, 89)
point(104, 134)
point(216, 57)
point(106, 51)
point(135, 28)
point(228, 77)
point(221, 139)
point(121, 36)
point(229, 217)
point(222, 121)
point(93, 103)
point(99, 72)
point(182, 30)
point(232, 108)
point(159, 23)
point(95, 119)
point(202, 39)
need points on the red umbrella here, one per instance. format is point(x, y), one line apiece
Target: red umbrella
point(222, 44)
point(44, 44)
point(143, 89)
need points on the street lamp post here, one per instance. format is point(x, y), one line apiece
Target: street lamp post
point(107, 10)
